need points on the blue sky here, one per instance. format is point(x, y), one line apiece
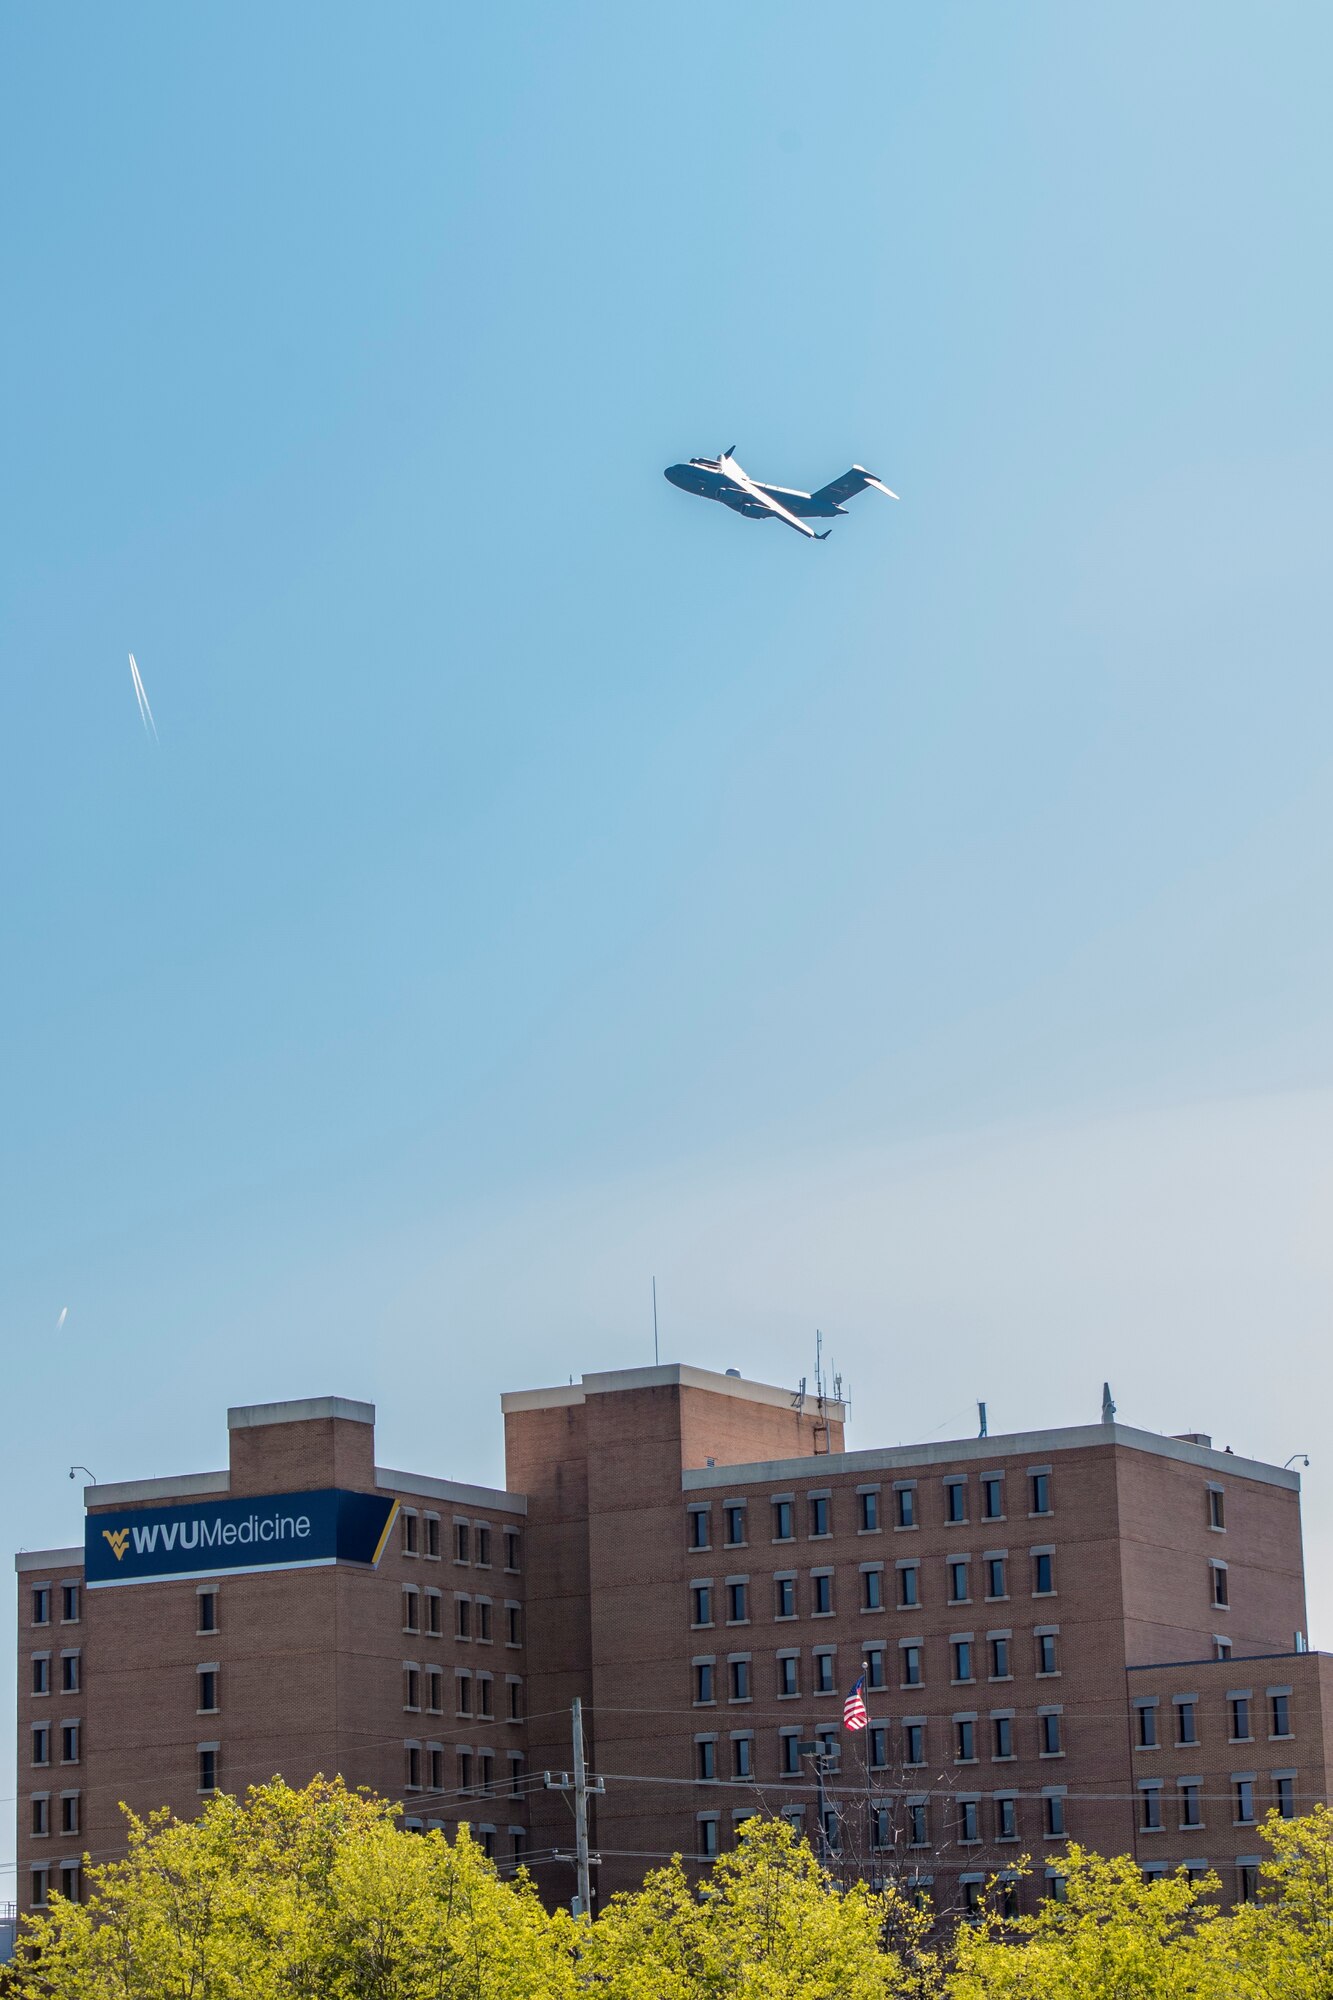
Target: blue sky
point(545, 879)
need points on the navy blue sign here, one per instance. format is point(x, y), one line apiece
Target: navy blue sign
point(203, 1537)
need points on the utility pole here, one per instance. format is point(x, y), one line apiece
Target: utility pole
point(583, 1787)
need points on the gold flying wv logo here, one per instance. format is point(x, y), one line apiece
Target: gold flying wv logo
point(119, 1539)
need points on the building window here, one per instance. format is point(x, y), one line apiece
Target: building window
point(481, 1544)
point(742, 1756)
point(962, 1659)
point(1147, 1717)
point(959, 1592)
point(40, 1878)
point(1244, 1798)
point(511, 1548)
point(1043, 1573)
point(879, 1745)
point(992, 1497)
point(869, 1510)
point(208, 1767)
point(1240, 1718)
point(483, 1605)
point(1046, 1660)
point(705, 1753)
point(69, 1673)
point(999, 1657)
point(207, 1611)
point(995, 1578)
point(462, 1693)
point(904, 1506)
point(1187, 1722)
point(435, 1766)
point(823, 1673)
point(411, 1610)
point(1279, 1713)
point(434, 1613)
point(435, 1691)
point(69, 1812)
point(207, 1690)
point(969, 1829)
point(431, 1526)
point(881, 1834)
point(701, 1599)
point(1150, 1808)
point(819, 1513)
point(822, 1584)
point(909, 1584)
point(703, 1680)
point(708, 1838)
point(1003, 1726)
point(464, 1765)
point(1221, 1648)
point(1284, 1792)
point(1049, 1721)
point(699, 1529)
point(914, 1743)
point(789, 1754)
point(965, 1740)
point(1216, 1508)
point(1221, 1589)
point(69, 1743)
point(411, 1686)
point(409, 1531)
point(513, 1624)
point(41, 1815)
point(41, 1673)
point(787, 1674)
point(875, 1667)
point(69, 1603)
point(485, 1697)
point(785, 1596)
point(734, 1515)
point(738, 1608)
point(1055, 1815)
point(740, 1680)
point(1006, 1819)
point(871, 1590)
point(1039, 1492)
point(41, 1744)
point(462, 1541)
point(911, 1659)
point(412, 1767)
point(917, 1824)
point(462, 1618)
point(1247, 1881)
point(782, 1521)
point(41, 1604)
point(955, 1500)
point(1189, 1804)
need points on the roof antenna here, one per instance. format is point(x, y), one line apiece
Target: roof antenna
point(655, 1361)
point(1108, 1405)
point(981, 1415)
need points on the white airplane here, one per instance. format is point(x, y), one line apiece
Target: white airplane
point(721, 478)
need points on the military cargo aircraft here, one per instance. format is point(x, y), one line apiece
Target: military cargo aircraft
point(721, 478)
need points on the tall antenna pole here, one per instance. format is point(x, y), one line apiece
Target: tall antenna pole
point(581, 1813)
point(870, 1802)
point(655, 1363)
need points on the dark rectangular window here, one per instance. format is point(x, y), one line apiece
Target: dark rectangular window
point(1043, 1575)
point(823, 1584)
point(782, 1521)
point(462, 1539)
point(483, 1546)
point(738, 1607)
point(869, 1511)
point(465, 1770)
point(992, 1497)
point(208, 1690)
point(742, 1758)
point(69, 1743)
point(880, 1831)
point(955, 1500)
point(1221, 1593)
point(433, 1535)
point(411, 1611)
point(1046, 1653)
point(879, 1745)
point(69, 1813)
point(69, 1603)
point(1216, 1508)
point(485, 1696)
point(483, 1620)
point(968, 1828)
point(740, 1680)
point(819, 1515)
point(870, 1590)
point(1285, 1790)
point(702, 1601)
point(1247, 1882)
point(41, 1673)
point(911, 1666)
point(462, 1618)
point(511, 1548)
point(41, 1604)
point(409, 1532)
point(71, 1881)
point(515, 1701)
point(917, 1825)
point(513, 1624)
point(1004, 1735)
point(1240, 1718)
point(435, 1773)
point(41, 1816)
point(735, 1518)
point(699, 1536)
point(965, 1742)
point(787, 1675)
point(995, 1583)
point(1189, 1806)
point(875, 1667)
point(1244, 1800)
point(914, 1743)
point(435, 1613)
point(1055, 1813)
point(1147, 1727)
point(962, 1660)
point(708, 1839)
point(823, 1673)
point(1280, 1715)
point(207, 1614)
point(1151, 1808)
point(41, 1745)
point(1187, 1722)
point(999, 1659)
point(958, 1585)
point(1039, 1492)
point(1050, 1735)
point(1006, 1819)
point(463, 1694)
point(707, 1756)
point(435, 1691)
point(785, 1596)
point(208, 1770)
point(904, 1501)
point(909, 1585)
point(791, 1755)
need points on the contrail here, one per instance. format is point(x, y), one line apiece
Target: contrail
point(61, 1321)
point(140, 695)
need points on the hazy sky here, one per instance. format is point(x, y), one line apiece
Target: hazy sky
point(545, 879)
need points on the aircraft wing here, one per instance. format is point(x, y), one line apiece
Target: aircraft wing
point(772, 506)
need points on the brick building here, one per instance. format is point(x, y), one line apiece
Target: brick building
point(1092, 1632)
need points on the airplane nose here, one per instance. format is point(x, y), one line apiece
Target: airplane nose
point(676, 474)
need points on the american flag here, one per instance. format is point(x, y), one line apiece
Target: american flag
point(854, 1708)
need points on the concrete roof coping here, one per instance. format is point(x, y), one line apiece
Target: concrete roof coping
point(307, 1410)
point(180, 1486)
point(671, 1375)
point(422, 1486)
point(28, 1559)
point(1020, 1444)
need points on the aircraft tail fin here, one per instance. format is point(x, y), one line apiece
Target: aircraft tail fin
point(848, 484)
